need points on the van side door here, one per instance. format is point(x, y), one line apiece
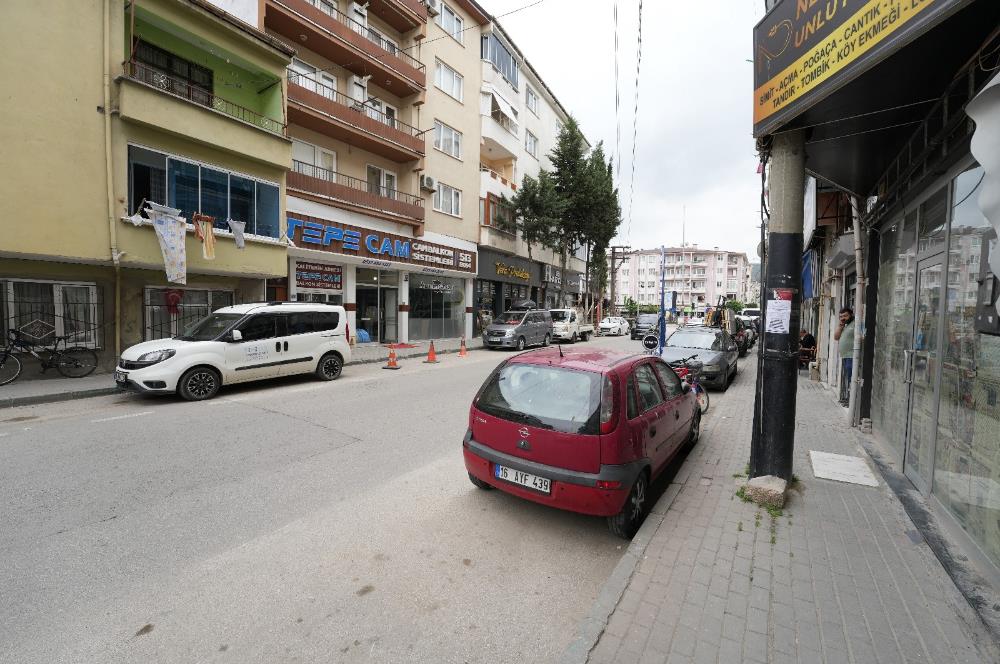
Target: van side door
point(259, 353)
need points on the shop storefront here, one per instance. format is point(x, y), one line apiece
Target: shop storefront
point(394, 288)
point(503, 280)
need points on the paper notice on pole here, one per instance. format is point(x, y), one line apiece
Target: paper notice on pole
point(779, 316)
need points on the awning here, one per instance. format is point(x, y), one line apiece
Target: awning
point(505, 106)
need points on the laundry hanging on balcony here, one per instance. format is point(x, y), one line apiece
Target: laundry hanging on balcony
point(204, 230)
point(237, 227)
point(171, 232)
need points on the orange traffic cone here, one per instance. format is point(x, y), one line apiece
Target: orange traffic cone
point(392, 364)
point(462, 351)
point(432, 357)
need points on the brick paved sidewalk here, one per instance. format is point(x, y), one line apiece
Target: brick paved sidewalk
point(842, 575)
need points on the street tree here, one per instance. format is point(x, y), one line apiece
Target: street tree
point(538, 208)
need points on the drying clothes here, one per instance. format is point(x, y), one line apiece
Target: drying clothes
point(171, 232)
point(237, 227)
point(136, 219)
point(204, 229)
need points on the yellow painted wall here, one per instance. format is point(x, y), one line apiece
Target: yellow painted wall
point(52, 135)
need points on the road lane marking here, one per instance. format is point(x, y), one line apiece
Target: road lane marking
point(122, 417)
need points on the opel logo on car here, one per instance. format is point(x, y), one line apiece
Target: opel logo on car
point(523, 432)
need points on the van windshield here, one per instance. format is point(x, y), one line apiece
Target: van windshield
point(545, 397)
point(210, 327)
point(509, 318)
point(647, 319)
point(559, 315)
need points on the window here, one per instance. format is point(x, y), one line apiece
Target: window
point(381, 182)
point(501, 215)
point(632, 406)
point(171, 311)
point(448, 200)
point(650, 394)
point(447, 139)
point(260, 327)
point(531, 143)
point(193, 187)
point(497, 53)
point(43, 310)
point(450, 22)
point(307, 322)
point(174, 74)
point(531, 100)
point(448, 80)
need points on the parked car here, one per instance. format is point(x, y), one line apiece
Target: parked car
point(570, 325)
point(613, 325)
point(584, 432)
point(519, 329)
point(714, 348)
point(645, 324)
point(238, 344)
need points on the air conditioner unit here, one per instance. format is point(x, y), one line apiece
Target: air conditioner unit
point(428, 183)
point(433, 7)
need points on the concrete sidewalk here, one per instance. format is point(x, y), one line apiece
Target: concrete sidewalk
point(33, 388)
point(841, 575)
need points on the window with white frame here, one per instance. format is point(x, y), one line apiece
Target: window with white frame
point(170, 311)
point(448, 80)
point(447, 139)
point(531, 143)
point(531, 100)
point(44, 310)
point(448, 200)
point(450, 22)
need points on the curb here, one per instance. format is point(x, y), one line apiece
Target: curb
point(14, 402)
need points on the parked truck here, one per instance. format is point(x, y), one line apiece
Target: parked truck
point(570, 325)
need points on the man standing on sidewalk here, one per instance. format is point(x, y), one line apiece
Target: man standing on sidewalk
point(845, 335)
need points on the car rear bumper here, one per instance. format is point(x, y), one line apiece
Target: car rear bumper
point(572, 491)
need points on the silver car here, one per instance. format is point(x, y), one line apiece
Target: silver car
point(519, 329)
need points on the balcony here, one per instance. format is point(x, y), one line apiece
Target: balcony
point(500, 137)
point(199, 115)
point(355, 194)
point(403, 15)
point(322, 109)
point(322, 28)
point(491, 182)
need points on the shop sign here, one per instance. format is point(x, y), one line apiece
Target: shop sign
point(505, 270)
point(805, 48)
point(376, 246)
point(318, 275)
point(552, 274)
point(435, 285)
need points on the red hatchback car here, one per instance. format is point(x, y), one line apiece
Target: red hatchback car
point(581, 431)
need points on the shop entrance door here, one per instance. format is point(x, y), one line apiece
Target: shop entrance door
point(922, 368)
point(389, 309)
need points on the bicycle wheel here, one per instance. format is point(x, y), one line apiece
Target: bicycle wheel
point(701, 394)
point(10, 368)
point(76, 362)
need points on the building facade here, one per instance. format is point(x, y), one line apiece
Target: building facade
point(699, 276)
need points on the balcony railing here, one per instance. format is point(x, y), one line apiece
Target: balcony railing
point(331, 184)
point(360, 109)
point(179, 87)
point(505, 122)
point(366, 32)
point(483, 168)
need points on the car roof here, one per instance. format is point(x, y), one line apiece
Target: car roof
point(598, 360)
point(258, 307)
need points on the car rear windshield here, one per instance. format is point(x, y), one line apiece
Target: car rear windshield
point(751, 312)
point(210, 327)
point(546, 397)
point(647, 319)
point(559, 316)
point(509, 317)
point(700, 339)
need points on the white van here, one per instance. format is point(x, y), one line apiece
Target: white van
point(240, 344)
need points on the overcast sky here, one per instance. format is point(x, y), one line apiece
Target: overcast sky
point(694, 147)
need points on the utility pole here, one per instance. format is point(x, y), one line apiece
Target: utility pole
point(663, 299)
point(616, 262)
point(773, 444)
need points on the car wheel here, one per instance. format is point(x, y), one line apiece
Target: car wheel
point(199, 384)
point(479, 483)
point(520, 343)
point(574, 338)
point(695, 432)
point(627, 522)
point(330, 366)
point(545, 341)
point(725, 381)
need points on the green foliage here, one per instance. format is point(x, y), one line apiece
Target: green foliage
point(735, 305)
point(631, 306)
point(538, 208)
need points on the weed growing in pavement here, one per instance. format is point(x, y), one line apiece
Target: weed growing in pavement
point(741, 493)
point(756, 519)
point(775, 512)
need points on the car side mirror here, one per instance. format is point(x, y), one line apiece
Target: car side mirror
point(235, 336)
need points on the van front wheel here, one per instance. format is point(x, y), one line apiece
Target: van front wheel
point(330, 367)
point(199, 384)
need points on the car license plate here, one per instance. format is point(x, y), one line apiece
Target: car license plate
point(121, 377)
point(542, 484)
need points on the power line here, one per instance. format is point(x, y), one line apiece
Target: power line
point(635, 124)
point(618, 117)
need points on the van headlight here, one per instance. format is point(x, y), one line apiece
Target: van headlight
point(509, 333)
point(156, 356)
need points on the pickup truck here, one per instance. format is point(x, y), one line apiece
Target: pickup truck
point(570, 325)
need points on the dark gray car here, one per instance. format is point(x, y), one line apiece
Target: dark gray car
point(519, 329)
point(716, 350)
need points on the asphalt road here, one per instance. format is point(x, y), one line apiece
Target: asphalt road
point(290, 521)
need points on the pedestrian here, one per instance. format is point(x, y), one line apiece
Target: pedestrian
point(807, 348)
point(845, 336)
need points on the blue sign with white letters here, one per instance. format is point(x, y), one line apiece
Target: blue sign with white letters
point(376, 244)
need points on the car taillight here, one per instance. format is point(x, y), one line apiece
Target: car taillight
point(347, 332)
point(608, 484)
point(607, 405)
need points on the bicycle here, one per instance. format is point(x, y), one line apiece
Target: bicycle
point(75, 362)
point(689, 370)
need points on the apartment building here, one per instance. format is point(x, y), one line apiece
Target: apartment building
point(699, 276)
point(520, 123)
point(168, 102)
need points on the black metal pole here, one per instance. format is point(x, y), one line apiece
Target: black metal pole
point(771, 452)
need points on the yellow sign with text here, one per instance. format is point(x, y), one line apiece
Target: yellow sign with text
point(874, 22)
